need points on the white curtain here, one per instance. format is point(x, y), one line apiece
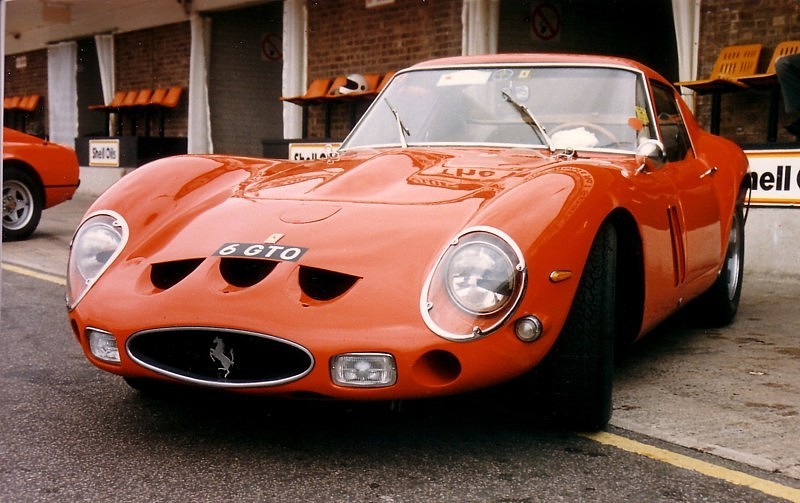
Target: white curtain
point(199, 141)
point(687, 31)
point(295, 21)
point(480, 20)
point(105, 58)
point(62, 92)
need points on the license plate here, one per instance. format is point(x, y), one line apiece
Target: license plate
point(261, 251)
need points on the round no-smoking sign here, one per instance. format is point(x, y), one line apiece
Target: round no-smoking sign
point(545, 21)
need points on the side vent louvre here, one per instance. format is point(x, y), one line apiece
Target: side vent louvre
point(165, 275)
point(321, 284)
point(245, 272)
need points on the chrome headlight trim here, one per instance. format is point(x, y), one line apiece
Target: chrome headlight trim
point(485, 320)
point(79, 278)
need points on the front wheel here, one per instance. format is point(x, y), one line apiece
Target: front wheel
point(574, 382)
point(22, 203)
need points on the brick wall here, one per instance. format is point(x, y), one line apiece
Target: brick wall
point(345, 37)
point(31, 79)
point(156, 57)
point(734, 22)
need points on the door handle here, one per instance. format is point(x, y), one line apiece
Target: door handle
point(709, 172)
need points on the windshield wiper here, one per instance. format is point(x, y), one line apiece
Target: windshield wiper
point(530, 120)
point(401, 128)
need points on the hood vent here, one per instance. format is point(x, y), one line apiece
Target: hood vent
point(165, 275)
point(245, 272)
point(322, 285)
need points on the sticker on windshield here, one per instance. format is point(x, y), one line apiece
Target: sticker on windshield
point(464, 78)
point(641, 114)
point(503, 74)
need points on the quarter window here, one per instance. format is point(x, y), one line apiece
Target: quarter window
point(670, 123)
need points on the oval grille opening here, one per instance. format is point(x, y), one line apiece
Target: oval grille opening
point(221, 358)
point(321, 284)
point(244, 272)
point(165, 275)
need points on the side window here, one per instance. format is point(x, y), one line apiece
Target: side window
point(670, 123)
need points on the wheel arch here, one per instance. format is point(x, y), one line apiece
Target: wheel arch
point(630, 277)
point(27, 168)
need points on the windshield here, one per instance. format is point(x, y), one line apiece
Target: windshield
point(558, 107)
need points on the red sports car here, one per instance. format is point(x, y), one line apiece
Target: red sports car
point(489, 219)
point(37, 174)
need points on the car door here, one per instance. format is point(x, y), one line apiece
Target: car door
point(695, 223)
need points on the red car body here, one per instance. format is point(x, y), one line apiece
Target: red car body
point(404, 269)
point(37, 174)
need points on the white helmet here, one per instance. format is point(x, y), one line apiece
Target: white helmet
point(355, 83)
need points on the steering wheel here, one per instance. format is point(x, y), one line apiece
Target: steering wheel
point(588, 125)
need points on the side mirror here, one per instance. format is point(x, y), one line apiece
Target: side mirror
point(650, 156)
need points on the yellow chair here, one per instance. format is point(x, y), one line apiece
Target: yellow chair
point(768, 81)
point(733, 62)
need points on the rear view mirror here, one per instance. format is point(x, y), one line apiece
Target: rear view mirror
point(650, 156)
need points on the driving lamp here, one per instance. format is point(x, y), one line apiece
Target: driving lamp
point(103, 345)
point(363, 370)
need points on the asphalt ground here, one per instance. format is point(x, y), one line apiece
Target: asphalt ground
point(730, 392)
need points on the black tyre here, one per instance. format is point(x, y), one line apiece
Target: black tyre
point(22, 203)
point(574, 382)
point(717, 307)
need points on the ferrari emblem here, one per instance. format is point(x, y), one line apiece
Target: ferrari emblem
point(274, 238)
point(217, 354)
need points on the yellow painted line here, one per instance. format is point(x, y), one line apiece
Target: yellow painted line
point(52, 278)
point(709, 469)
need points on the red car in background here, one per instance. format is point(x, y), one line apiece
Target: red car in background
point(37, 174)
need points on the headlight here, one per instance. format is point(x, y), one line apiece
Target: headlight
point(96, 244)
point(480, 277)
point(475, 286)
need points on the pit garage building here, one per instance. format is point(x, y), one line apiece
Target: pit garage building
point(232, 61)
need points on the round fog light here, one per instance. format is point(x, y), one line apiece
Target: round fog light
point(528, 329)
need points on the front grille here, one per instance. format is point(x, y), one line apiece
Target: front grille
point(219, 357)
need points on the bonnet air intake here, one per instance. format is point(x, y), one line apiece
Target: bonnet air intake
point(244, 272)
point(165, 275)
point(321, 284)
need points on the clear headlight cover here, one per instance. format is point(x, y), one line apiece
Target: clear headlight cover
point(97, 242)
point(475, 286)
